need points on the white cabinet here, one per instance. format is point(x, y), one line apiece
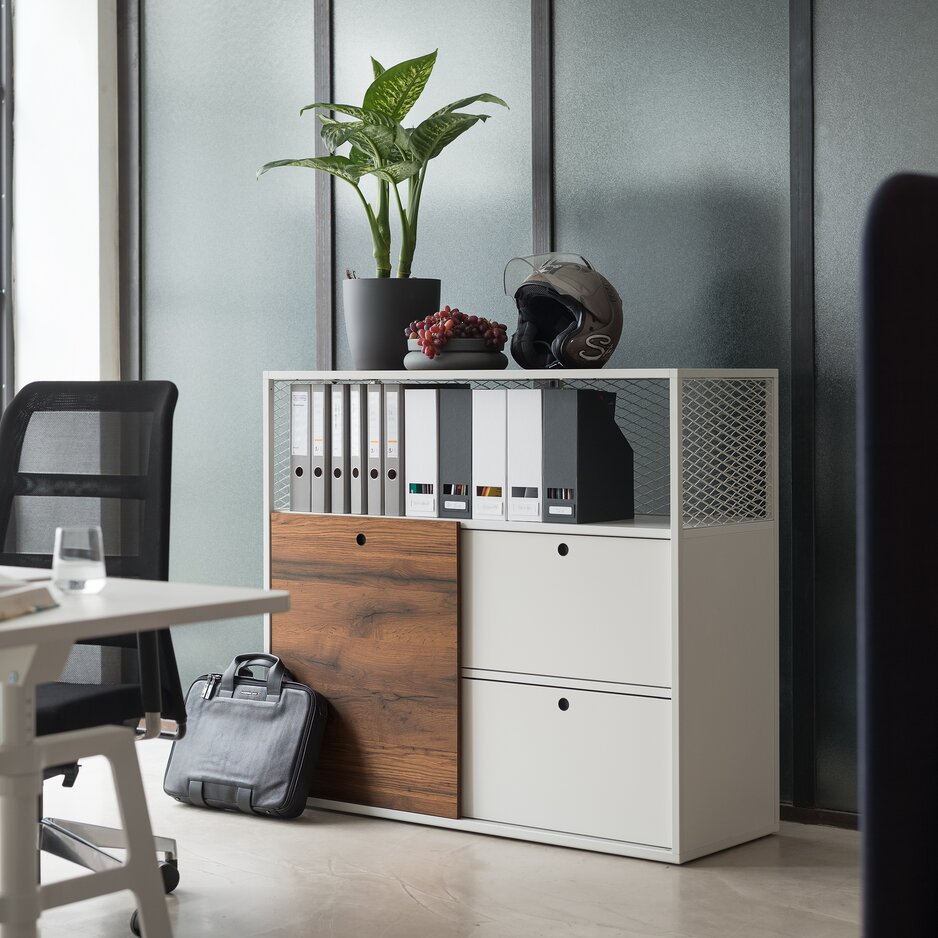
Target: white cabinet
point(567, 605)
point(563, 759)
point(619, 686)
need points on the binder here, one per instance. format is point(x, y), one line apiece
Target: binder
point(375, 453)
point(421, 452)
point(321, 448)
point(455, 445)
point(358, 449)
point(393, 450)
point(341, 492)
point(525, 455)
point(587, 459)
point(489, 457)
point(299, 448)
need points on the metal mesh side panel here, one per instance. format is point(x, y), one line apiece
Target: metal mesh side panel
point(727, 436)
point(642, 413)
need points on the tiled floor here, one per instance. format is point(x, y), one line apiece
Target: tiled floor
point(341, 876)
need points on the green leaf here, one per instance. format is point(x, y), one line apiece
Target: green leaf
point(375, 140)
point(359, 157)
point(339, 166)
point(334, 133)
point(463, 102)
point(395, 172)
point(395, 91)
point(377, 67)
point(363, 114)
point(429, 138)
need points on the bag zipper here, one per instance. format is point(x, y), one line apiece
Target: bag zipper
point(211, 684)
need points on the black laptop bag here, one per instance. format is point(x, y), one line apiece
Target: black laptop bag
point(251, 744)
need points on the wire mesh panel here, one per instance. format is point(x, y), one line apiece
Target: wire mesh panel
point(727, 443)
point(642, 413)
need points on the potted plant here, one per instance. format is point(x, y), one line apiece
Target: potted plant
point(379, 146)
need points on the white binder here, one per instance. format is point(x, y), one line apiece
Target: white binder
point(489, 455)
point(321, 448)
point(525, 455)
point(340, 450)
point(375, 452)
point(299, 448)
point(421, 452)
point(358, 449)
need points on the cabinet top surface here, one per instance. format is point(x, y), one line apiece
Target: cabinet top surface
point(517, 374)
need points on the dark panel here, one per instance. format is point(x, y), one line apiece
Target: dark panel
point(897, 600)
point(6, 207)
point(542, 125)
point(671, 131)
point(128, 143)
point(374, 627)
point(802, 666)
point(325, 220)
point(876, 76)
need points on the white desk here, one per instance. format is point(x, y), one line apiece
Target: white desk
point(33, 649)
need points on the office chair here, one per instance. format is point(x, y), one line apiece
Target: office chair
point(96, 453)
point(897, 602)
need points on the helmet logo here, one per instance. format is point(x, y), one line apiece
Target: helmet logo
point(601, 345)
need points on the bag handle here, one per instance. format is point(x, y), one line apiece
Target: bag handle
point(275, 674)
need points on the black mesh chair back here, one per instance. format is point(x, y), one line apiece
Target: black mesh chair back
point(94, 453)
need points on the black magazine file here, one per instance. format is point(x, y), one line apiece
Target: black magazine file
point(897, 594)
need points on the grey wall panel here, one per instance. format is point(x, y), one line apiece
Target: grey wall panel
point(476, 208)
point(672, 166)
point(876, 78)
point(227, 269)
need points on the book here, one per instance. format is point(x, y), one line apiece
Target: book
point(19, 597)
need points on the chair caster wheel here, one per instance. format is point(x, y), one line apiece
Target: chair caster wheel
point(135, 923)
point(169, 870)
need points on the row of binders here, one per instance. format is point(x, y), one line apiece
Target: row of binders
point(515, 454)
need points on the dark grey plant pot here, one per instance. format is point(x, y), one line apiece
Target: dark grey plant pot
point(377, 310)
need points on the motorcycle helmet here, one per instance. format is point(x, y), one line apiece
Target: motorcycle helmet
point(569, 315)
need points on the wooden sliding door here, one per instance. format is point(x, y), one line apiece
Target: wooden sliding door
point(373, 626)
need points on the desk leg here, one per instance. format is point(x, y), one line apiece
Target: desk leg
point(141, 854)
point(20, 788)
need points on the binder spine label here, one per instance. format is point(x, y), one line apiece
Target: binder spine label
point(526, 507)
point(422, 503)
point(355, 426)
point(374, 424)
point(299, 426)
point(319, 424)
point(338, 427)
point(392, 426)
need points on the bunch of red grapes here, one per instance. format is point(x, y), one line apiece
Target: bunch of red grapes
point(434, 331)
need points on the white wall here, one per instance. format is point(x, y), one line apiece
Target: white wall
point(65, 238)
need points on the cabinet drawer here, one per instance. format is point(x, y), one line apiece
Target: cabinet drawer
point(578, 606)
point(601, 767)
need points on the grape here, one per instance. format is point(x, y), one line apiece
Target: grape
point(436, 329)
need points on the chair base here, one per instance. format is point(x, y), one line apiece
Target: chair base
point(88, 844)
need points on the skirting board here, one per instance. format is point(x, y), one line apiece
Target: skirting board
point(845, 819)
point(535, 835)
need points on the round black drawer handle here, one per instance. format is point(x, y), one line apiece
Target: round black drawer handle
point(563, 703)
point(360, 539)
point(563, 550)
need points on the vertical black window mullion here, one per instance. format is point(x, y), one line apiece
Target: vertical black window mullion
point(6, 208)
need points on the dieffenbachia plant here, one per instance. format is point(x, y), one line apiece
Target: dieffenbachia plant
point(380, 146)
